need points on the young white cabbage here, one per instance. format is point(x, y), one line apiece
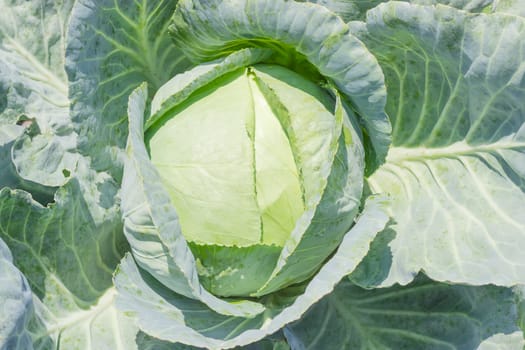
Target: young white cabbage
point(241, 158)
point(245, 178)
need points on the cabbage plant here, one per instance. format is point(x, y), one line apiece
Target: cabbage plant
point(262, 174)
point(269, 144)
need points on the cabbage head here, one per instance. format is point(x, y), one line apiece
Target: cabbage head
point(245, 173)
point(246, 159)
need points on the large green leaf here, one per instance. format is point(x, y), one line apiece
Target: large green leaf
point(33, 83)
point(421, 315)
point(15, 302)
point(67, 250)
point(455, 171)
point(68, 256)
point(113, 46)
point(32, 42)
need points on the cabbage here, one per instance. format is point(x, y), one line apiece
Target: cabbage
point(262, 174)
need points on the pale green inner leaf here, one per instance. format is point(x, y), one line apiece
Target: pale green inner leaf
point(218, 159)
point(226, 156)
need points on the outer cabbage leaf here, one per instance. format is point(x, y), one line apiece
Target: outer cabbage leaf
point(9, 176)
point(68, 259)
point(33, 80)
point(300, 35)
point(456, 91)
point(69, 249)
point(421, 315)
point(16, 304)
point(34, 93)
point(113, 46)
point(51, 245)
point(33, 83)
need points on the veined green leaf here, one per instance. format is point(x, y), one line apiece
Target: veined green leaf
point(421, 315)
point(347, 9)
point(67, 256)
point(114, 46)
point(455, 171)
point(15, 302)
point(32, 43)
point(33, 83)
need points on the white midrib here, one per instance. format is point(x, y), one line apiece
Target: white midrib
point(401, 154)
point(78, 317)
point(52, 79)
